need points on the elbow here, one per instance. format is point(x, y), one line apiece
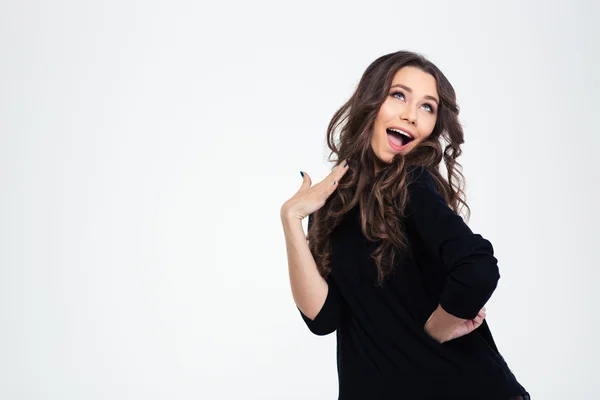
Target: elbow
point(469, 289)
point(489, 271)
point(330, 316)
point(478, 274)
point(325, 322)
point(322, 330)
point(472, 277)
point(478, 269)
point(494, 276)
point(319, 325)
point(485, 274)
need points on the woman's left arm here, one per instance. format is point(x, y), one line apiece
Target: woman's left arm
point(472, 269)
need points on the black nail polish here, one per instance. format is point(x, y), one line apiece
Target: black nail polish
point(302, 173)
point(345, 165)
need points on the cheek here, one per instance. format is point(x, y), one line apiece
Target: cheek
point(430, 125)
point(386, 112)
point(425, 131)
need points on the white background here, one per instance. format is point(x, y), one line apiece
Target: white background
point(146, 148)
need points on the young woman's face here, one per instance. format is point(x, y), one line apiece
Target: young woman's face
point(411, 106)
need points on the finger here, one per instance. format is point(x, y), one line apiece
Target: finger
point(338, 172)
point(306, 181)
point(342, 168)
point(330, 184)
point(327, 189)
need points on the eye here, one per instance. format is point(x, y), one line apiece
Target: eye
point(431, 109)
point(400, 93)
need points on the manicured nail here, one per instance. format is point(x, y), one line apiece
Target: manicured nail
point(334, 182)
point(302, 173)
point(345, 165)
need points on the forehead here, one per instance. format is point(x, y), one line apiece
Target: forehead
point(420, 82)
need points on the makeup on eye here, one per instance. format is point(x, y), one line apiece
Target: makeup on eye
point(431, 108)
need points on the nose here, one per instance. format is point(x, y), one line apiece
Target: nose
point(409, 114)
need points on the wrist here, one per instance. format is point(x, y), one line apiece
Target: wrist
point(290, 221)
point(441, 325)
point(288, 216)
point(432, 329)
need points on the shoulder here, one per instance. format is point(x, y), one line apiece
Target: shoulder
point(423, 187)
point(420, 177)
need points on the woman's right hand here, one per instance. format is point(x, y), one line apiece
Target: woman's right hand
point(440, 322)
point(309, 199)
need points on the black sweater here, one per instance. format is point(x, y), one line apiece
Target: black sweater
point(383, 351)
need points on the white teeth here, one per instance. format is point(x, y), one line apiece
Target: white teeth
point(401, 132)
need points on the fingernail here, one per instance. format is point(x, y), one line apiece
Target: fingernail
point(345, 165)
point(334, 182)
point(302, 173)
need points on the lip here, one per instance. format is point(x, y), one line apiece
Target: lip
point(403, 129)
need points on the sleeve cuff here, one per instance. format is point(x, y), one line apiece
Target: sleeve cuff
point(329, 317)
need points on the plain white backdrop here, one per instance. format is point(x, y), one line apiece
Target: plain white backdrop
point(146, 148)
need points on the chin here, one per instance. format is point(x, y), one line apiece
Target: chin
point(386, 157)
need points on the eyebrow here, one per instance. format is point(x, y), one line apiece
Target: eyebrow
point(409, 90)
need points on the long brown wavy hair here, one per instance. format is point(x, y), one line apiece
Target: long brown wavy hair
point(380, 188)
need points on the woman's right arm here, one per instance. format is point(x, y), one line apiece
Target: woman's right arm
point(309, 289)
point(318, 300)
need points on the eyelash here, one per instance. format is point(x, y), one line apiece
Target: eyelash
point(430, 106)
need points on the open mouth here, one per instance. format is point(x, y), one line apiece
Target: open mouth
point(399, 138)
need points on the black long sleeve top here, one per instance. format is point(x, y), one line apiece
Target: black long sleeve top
point(383, 351)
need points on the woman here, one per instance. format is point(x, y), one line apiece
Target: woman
point(389, 264)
